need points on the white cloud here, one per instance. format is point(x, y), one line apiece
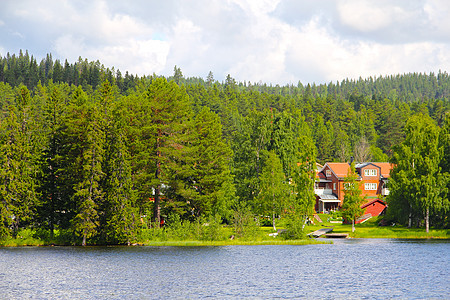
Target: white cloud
point(257, 7)
point(140, 57)
point(438, 12)
point(277, 41)
point(366, 16)
point(317, 53)
point(114, 39)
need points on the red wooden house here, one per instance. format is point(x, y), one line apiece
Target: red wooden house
point(329, 185)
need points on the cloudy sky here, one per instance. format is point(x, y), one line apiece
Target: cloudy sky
point(272, 41)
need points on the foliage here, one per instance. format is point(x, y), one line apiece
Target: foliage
point(88, 152)
point(274, 193)
point(419, 187)
point(351, 209)
point(245, 224)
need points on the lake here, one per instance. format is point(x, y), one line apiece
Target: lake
point(351, 268)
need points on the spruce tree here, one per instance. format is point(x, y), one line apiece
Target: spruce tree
point(86, 133)
point(210, 178)
point(54, 185)
point(18, 165)
point(119, 217)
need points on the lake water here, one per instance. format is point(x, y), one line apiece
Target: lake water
point(354, 268)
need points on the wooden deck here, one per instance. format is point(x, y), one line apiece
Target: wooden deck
point(337, 235)
point(321, 231)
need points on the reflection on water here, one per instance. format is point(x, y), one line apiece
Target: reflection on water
point(353, 268)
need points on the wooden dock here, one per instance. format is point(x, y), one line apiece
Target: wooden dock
point(337, 235)
point(321, 231)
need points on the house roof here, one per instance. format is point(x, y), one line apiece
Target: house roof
point(385, 167)
point(373, 201)
point(339, 169)
point(328, 198)
point(320, 177)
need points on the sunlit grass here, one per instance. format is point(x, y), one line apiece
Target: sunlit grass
point(370, 229)
point(24, 238)
point(233, 243)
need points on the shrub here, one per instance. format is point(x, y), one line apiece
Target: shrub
point(245, 225)
point(213, 230)
point(294, 228)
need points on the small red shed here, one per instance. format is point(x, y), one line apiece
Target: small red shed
point(372, 209)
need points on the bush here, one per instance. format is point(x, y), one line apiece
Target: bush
point(213, 230)
point(294, 228)
point(245, 225)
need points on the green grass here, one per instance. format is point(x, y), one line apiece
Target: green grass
point(234, 243)
point(24, 238)
point(370, 229)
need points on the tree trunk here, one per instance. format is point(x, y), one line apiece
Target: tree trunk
point(273, 220)
point(304, 222)
point(273, 211)
point(83, 243)
point(353, 225)
point(156, 207)
point(427, 220)
point(156, 204)
point(52, 230)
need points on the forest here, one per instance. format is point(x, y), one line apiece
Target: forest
point(96, 155)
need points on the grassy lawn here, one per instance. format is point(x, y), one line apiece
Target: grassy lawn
point(370, 229)
point(234, 243)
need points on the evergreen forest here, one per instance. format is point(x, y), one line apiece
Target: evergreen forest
point(95, 156)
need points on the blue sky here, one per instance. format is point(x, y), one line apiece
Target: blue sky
point(269, 41)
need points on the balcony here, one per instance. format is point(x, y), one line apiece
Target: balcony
point(323, 191)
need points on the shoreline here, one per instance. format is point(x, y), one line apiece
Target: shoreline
point(196, 243)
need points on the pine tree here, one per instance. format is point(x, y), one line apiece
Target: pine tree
point(159, 121)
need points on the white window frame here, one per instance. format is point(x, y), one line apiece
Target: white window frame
point(370, 172)
point(370, 186)
point(347, 185)
point(334, 186)
point(328, 173)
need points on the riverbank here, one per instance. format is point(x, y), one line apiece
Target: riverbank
point(368, 229)
point(235, 243)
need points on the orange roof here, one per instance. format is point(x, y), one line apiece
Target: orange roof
point(340, 169)
point(385, 168)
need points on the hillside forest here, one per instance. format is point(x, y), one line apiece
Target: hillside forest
point(98, 155)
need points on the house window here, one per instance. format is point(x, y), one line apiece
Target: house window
point(370, 172)
point(334, 186)
point(370, 186)
point(348, 185)
point(328, 172)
